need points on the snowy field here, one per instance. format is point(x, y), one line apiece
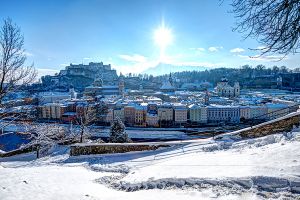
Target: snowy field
point(262, 168)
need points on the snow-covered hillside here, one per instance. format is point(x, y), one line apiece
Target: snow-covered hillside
point(267, 167)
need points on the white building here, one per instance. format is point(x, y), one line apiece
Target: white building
point(245, 112)
point(197, 114)
point(220, 113)
point(258, 112)
point(52, 111)
point(225, 90)
point(52, 97)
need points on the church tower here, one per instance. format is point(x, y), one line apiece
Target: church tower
point(121, 86)
point(171, 79)
point(206, 98)
point(236, 89)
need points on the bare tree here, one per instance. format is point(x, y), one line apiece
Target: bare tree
point(274, 23)
point(84, 121)
point(89, 116)
point(13, 71)
point(44, 136)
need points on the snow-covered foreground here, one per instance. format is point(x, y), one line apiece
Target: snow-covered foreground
point(267, 167)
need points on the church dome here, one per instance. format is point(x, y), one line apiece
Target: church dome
point(167, 86)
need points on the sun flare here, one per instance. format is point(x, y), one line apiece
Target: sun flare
point(163, 37)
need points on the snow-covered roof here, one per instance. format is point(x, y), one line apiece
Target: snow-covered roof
point(276, 105)
point(222, 106)
point(167, 86)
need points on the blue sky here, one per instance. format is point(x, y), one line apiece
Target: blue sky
point(121, 32)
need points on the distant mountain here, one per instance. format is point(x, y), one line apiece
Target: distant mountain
point(163, 68)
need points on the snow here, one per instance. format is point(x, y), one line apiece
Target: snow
point(261, 168)
point(62, 182)
point(238, 161)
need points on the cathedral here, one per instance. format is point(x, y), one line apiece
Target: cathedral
point(167, 85)
point(223, 89)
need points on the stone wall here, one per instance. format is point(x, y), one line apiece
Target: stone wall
point(18, 151)
point(283, 124)
point(107, 148)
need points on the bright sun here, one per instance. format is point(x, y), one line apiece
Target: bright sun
point(163, 37)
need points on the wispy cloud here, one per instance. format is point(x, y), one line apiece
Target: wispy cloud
point(264, 58)
point(137, 67)
point(200, 49)
point(215, 49)
point(237, 50)
point(138, 63)
point(87, 58)
point(133, 58)
point(196, 64)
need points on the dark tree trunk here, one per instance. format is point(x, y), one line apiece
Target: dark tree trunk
point(81, 135)
point(38, 151)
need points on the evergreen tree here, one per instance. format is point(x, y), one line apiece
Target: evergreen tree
point(117, 132)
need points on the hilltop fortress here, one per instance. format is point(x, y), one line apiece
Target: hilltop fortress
point(80, 76)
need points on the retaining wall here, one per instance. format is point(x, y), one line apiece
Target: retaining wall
point(107, 148)
point(282, 124)
point(18, 151)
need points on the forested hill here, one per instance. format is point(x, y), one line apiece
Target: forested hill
point(244, 74)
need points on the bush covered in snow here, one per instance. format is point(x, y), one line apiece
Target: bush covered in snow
point(117, 132)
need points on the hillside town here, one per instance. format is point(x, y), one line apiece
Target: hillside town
point(168, 107)
point(151, 99)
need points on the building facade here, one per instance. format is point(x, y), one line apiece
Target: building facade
point(152, 120)
point(165, 115)
point(52, 111)
point(129, 115)
point(225, 90)
point(198, 114)
point(180, 114)
point(218, 113)
point(140, 115)
point(245, 112)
